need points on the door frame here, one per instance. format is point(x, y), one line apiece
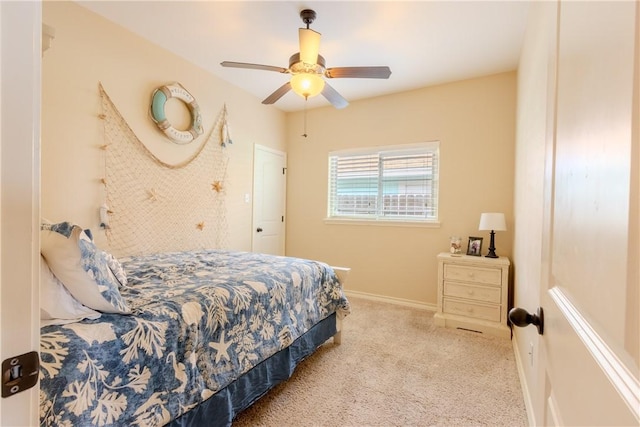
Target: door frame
point(20, 105)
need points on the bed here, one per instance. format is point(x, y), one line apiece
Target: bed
point(179, 338)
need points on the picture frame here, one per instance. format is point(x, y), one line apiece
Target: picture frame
point(474, 246)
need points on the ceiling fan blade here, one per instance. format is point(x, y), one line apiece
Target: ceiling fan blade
point(358, 72)
point(309, 45)
point(334, 97)
point(279, 93)
point(253, 66)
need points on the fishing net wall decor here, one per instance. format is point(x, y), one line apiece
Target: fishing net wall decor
point(158, 207)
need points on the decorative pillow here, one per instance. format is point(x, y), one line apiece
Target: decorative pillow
point(116, 268)
point(81, 267)
point(112, 262)
point(57, 306)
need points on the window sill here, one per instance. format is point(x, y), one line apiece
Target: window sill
point(382, 222)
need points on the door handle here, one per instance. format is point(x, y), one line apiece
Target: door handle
point(521, 318)
point(259, 230)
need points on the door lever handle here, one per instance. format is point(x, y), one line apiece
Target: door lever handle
point(521, 318)
point(259, 230)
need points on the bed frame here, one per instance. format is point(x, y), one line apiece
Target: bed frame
point(343, 275)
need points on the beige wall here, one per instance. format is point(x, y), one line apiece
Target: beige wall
point(474, 120)
point(88, 49)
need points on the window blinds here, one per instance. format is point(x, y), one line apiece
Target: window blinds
point(396, 184)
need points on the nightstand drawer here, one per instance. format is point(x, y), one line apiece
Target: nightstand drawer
point(476, 293)
point(489, 276)
point(485, 312)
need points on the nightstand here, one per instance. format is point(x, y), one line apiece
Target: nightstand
point(473, 293)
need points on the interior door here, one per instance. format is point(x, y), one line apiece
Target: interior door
point(269, 200)
point(589, 349)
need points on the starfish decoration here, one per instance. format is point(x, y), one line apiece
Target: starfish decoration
point(217, 186)
point(221, 348)
point(200, 225)
point(153, 194)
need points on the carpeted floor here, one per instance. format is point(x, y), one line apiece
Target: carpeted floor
point(396, 368)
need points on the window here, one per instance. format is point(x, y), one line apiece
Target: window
point(398, 183)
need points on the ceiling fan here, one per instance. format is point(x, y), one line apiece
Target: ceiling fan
point(308, 67)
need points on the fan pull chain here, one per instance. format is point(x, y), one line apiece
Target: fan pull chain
point(305, 117)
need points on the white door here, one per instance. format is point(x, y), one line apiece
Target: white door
point(19, 199)
point(590, 347)
point(269, 200)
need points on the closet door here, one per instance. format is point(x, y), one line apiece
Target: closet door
point(269, 200)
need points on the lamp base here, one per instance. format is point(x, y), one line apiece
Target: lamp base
point(492, 247)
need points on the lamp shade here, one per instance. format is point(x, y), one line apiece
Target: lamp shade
point(307, 84)
point(492, 221)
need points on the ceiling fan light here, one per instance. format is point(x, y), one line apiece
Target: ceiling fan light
point(307, 85)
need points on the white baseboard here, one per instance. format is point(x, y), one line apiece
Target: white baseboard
point(528, 402)
point(393, 300)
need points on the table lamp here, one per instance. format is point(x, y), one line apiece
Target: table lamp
point(494, 222)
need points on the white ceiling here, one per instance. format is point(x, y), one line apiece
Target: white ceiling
point(423, 42)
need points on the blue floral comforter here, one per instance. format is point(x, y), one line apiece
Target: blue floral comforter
point(199, 320)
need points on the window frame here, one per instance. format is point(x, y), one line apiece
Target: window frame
point(385, 151)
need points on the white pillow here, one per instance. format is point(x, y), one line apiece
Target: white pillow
point(81, 267)
point(57, 306)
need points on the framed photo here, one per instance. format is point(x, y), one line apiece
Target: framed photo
point(474, 247)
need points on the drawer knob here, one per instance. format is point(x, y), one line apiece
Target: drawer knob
point(521, 318)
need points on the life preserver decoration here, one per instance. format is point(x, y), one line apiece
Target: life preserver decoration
point(159, 99)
